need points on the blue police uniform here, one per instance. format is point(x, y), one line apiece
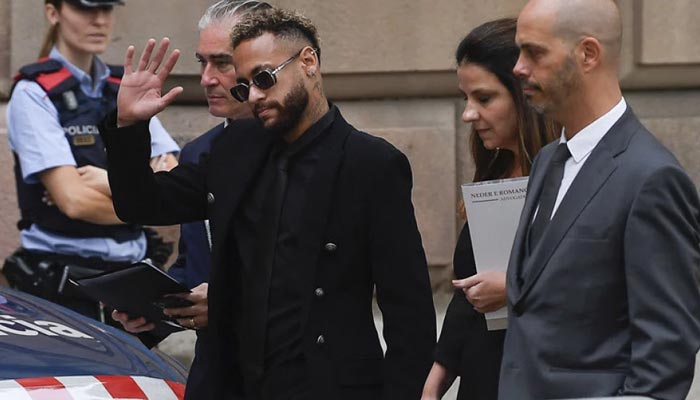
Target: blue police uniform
point(52, 121)
point(40, 142)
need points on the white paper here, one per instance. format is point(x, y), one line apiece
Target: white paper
point(493, 211)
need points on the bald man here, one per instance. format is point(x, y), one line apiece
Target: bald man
point(603, 277)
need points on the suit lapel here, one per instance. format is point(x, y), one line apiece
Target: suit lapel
point(592, 176)
point(247, 149)
point(518, 252)
point(323, 183)
point(320, 201)
point(236, 159)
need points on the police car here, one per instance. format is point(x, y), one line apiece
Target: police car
point(50, 352)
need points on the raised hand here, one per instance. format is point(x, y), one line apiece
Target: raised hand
point(140, 93)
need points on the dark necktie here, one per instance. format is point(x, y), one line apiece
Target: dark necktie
point(264, 258)
point(271, 217)
point(279, 190)
point(548, 196)
point(271, 213)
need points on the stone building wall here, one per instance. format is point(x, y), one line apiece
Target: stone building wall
point(389, 66)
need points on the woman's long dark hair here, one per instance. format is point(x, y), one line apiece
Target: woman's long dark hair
point(492, 46)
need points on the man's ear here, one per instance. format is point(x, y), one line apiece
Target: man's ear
point(309, 57)
point(590, 52)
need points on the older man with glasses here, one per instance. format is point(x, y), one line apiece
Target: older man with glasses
point(308, 217)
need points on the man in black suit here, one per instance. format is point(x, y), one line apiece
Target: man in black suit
point(603, 278)
point(309, 216)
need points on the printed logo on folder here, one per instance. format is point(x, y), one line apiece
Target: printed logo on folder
point(493, 210)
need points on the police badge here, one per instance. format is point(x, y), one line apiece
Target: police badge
point(70, 100)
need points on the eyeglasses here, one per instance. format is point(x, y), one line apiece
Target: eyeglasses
point(264, 80)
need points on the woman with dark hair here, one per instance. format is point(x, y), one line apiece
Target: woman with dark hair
point(506, 135)
point(68, 225)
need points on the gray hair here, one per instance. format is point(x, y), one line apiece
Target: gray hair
point(226, 9)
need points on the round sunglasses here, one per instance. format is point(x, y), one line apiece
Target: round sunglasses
point(264, 80)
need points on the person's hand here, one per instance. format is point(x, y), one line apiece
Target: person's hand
point(486, 291)
point(140, 90)
point(135, 325)
point(195, 316)
point(461, 210)
point(163, 162)
point(95, 178)
point(438, 381)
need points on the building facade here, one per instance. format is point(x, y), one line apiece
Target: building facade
point(389, 65)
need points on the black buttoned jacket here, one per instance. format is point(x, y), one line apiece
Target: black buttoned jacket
point(359, 233)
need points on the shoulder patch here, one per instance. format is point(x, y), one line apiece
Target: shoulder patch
point(57, 82)
point(50, 74)
point(43, 66)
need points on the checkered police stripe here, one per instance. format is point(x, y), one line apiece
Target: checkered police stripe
point(92, 388)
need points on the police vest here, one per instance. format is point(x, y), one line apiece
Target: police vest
point(79, 116)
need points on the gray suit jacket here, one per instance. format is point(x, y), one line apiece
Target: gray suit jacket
point(609, 302)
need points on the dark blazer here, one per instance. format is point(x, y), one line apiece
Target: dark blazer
point(610, 300)
point(466, 347)
point(360, 232)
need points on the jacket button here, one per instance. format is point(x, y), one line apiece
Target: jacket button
point(319, 292)
point(330, 247)
point(320, 340)
point(210, 198)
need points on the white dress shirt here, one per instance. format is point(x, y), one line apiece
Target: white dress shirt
point(582, 144)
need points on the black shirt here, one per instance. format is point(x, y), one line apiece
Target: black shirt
point(267, 230)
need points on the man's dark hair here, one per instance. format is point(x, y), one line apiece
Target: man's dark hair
point(282, 23)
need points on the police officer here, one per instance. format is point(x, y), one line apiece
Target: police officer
point(68, 226)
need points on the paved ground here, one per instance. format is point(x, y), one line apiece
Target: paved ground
point(180, 345)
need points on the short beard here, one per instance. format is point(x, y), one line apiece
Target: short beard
point(540, 109)
point(561, 88)
point(291, 111)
